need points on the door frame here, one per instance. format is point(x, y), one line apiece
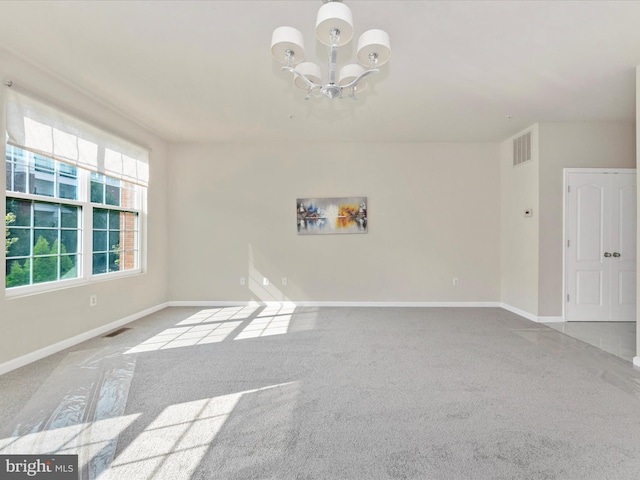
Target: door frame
point(565, 206)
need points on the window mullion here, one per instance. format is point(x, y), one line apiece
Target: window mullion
point(86, 243)
point(32, 237)
point(60, 240)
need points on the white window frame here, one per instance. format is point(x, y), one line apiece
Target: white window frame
point(85, 240)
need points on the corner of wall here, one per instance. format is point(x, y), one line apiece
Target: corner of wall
point(519, 234)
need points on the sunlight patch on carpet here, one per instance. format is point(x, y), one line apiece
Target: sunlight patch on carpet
point(173, 445)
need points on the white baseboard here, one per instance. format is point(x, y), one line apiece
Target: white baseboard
point(531, 316)
point(550, 319)
point(70, 342)
point(398, 304)
point(636, 361)
point(522, 313)
point(214, 303)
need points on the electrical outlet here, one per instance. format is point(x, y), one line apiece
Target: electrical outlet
point(455, 281)
point(243, 281)
point(284, 281)
point(265, 281)
point(93, 300)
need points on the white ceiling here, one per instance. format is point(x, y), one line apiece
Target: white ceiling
point(201, 71)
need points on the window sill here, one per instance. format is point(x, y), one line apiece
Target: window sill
point(28, 290)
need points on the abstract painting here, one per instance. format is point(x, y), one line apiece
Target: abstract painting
point(331, 215)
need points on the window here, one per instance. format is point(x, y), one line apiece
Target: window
point(115, 230)
point(43, 240)
point(74, 198)
point(48, 203)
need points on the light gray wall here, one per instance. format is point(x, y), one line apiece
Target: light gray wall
point(519, 234)
point(40, 320)
point(571, 145)
point(434, 213)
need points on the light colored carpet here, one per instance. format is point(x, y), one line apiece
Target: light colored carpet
point(331, 393)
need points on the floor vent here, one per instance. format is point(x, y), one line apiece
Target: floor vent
point(522, 149)
point(117, 332)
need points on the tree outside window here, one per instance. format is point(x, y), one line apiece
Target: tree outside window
point(9, 219)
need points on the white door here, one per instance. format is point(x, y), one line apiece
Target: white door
point(600, 219)
point(588, 293)
point(623, 248)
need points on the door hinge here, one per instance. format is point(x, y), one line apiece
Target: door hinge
point(568, 188)
point(567, 297)
point(568, 243)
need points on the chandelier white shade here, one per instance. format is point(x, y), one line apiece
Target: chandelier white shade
point(334, 15)
point(374, 42)
point(334, 28)
point(349, 73)
point(287, 39)
point(311, 71)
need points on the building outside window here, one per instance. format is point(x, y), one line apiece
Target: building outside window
point(115, 231)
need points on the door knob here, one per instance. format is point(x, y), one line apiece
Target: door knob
point(607, 254)
point(616, 254)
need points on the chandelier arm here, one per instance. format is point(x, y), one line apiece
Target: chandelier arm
point(355, 81)
point(302, 75)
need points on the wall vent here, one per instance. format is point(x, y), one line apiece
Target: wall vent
point(522, 149)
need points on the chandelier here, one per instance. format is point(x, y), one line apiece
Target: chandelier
point(334, 28)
